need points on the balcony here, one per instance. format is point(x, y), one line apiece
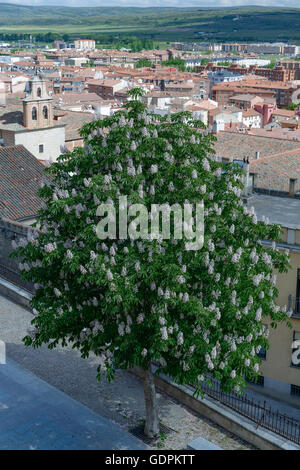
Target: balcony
point(294, 306)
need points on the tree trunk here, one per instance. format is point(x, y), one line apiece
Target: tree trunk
point(152, 424)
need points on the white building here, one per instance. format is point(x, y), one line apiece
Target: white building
point(252, 119)
point(258, 62)
point(77, 61)
point(84, 44)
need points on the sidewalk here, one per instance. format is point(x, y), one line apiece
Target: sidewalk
point(282, 406)
point(121, 402)
point(36, 416)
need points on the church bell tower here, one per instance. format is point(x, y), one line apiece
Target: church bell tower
point(37, 105)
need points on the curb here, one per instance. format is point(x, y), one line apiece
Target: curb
point(222, 415)
point(15, 293)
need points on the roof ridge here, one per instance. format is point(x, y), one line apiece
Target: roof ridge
point(288, 153)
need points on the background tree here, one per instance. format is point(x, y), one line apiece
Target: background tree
point(180, 64)
point(131, 302)
point(272, 64)
point(142, 63)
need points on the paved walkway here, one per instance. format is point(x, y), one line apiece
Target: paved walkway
point(35, 415)
point(121, 402)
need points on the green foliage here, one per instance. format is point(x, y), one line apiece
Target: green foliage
point(292, 106)
point(180, 64)
point(164, 24)
point(133, 43)
point(225, 63)
point(162, 438)
point(90, 63)
point(272, 64)
point(142, 63)
point(204, 61)
point(132, 301)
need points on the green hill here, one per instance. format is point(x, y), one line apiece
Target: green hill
point(167, 24)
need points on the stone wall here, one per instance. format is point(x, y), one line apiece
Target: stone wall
point(9, 267)
point(51, 138)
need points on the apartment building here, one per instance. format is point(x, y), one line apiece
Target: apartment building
point(279, 373)
point(105, 88)
point(76, 61)
point(223, 76)
point(252, 119)
point(84, 44)
point(282, 92)
point(292, 65)
point(266, 48)
point(234, 47)
point(290, 49)
point(182, 87)
point(245, 101)
point(273, 190)
point(279, 73)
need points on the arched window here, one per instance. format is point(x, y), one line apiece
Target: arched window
point(34, 114)
point(39, 92)
point(45, 112)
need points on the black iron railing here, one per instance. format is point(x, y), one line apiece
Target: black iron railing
point(258, 412)
point(255, 410)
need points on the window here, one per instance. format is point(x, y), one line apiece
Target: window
point(34, 114)
point(41, 148)
point(292, 186)
point(39, 92)
point(291, 236)
point(259, 381)
point(297, 303)
point(45, 112)
point(295, 390)
point(262, 353)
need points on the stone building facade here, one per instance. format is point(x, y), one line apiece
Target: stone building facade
point(37, 131)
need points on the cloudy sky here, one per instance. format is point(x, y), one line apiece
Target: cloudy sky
point(153, 3)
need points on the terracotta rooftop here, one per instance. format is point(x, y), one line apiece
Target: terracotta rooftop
point(244, 97)
point(283, 112)
point(275, 172)
point(20, 177)
point(234, 145)
point(250, 112)
point(278, 134)
point(74, 121)
point(75, 98)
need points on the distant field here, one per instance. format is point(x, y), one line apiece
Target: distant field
point(162, 24)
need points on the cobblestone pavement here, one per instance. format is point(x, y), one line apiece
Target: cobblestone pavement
point(121, 401)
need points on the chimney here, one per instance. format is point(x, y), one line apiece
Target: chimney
point(246, 178)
